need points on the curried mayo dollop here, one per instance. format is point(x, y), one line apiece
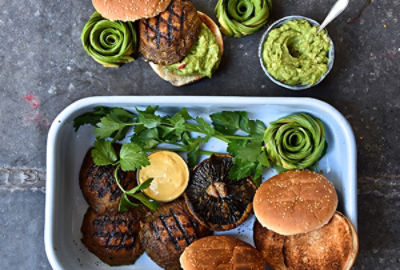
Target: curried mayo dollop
point(170, 173)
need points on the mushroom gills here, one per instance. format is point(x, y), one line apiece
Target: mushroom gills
point(216, 200)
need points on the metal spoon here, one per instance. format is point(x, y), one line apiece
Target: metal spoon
point(335, 11)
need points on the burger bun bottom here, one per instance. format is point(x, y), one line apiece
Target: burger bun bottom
point(179, 80)
point(332, 247)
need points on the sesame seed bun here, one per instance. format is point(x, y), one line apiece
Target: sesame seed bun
point(332, 247)
point(179, 80)
point(130, 10)
point(295, 202)
point(221, 252)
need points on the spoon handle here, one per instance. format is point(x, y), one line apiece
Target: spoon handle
point(337, 8)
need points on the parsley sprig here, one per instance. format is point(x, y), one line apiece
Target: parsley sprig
point(249, 156)
point(181, 133)
point(131, 158)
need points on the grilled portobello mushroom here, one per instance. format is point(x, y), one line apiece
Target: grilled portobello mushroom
point(99, 187)
point(167, 232)
point(113, 237)
point(168, 37)
point(214, 199)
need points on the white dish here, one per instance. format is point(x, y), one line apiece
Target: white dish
point(279, 23)
point(65, 205)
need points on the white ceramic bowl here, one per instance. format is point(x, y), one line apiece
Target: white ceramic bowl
point(65, 205)
point(279, 23)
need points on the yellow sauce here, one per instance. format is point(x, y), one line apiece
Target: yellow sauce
point(170, 173)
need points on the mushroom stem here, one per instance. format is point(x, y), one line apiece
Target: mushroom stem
point(217, 190)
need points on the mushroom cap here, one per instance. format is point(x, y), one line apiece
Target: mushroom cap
point(99, 187)
point(214, 199)
point(113, 238)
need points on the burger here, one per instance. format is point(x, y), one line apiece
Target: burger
point(294, 202)
point(334, 246)
point(181, 44)
point(297, 224)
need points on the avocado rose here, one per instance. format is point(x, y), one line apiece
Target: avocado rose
point(240, 18)
point(110, 43)
point(296, 141)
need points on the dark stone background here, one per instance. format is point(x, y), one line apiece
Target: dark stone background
point(43, 68)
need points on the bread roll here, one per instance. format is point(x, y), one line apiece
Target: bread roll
point(221, 252)
point(130, 10)
point(332, 247)
point(295, 202)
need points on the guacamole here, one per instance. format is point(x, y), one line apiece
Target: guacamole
point(202, 59)
point(296, 54)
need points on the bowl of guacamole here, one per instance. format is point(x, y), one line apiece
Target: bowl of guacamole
point(294, 55)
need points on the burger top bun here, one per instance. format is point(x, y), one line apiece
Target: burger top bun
point(221, 252)
point(179, 80)
point(295, 202)
point(129, 10)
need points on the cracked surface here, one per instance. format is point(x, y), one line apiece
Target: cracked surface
point(41, 54)
point(12, 179)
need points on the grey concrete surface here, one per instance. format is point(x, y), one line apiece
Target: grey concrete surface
point(43, 68)
point(22, 221)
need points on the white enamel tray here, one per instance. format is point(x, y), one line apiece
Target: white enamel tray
point(65, 205)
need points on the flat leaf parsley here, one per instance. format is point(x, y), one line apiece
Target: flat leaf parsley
point(181, 133)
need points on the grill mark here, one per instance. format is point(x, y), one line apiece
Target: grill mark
point(154, 30)
point(146, 29)
point(96, 174)
point(111, 235)
point(158, 33)
point(170, 26)
point(102, 187)
point(169, 31)
point(169, 23)
point(194, 224)
point(155, 229)
point(101, 223)
point(182, 19)
point(180, 226)
point(125, 238)
point(171, 235)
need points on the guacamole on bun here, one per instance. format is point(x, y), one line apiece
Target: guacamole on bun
point(182, 44)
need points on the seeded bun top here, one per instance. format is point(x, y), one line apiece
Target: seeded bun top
point(221, 252)
point(129, 10)
point(295, 202)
